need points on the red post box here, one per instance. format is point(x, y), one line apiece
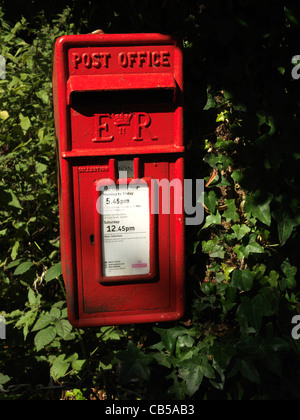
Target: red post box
point(118, 102)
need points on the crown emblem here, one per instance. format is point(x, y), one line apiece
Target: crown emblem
point(121, 119)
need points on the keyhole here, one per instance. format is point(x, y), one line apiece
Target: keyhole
point(92, 239)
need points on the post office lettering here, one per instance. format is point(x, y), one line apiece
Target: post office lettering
point(144, 59)
point(125, 59)
point(96, 60)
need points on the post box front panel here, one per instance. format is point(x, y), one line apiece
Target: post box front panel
point(125, 295)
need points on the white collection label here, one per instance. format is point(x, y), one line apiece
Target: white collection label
point(125, 230)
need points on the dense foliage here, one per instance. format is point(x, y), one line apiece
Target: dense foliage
point(242, 135)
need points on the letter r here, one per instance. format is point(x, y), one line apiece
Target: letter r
point(142, 121)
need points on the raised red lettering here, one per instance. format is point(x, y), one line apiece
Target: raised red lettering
point(142, 121)
point(123, 59)
point(76, 59)
point(101, 128)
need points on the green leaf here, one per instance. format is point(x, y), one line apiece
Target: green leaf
point(43, 322)
point(289, 281)
point(253, 247)
point(13, 264)
point(237, 176)
point(25, 122)
point(211, 103)
point(14, 202)
point(192, 374)
point(44, 337)
point(251, 311)
point(169, 336)
point(178, 388)
point(54, 272)
point(59, 368)
point(286, 222)
point(55, 313)
point(40, 167)
point(291, 16)
point(78, 364)
point(63, 328)
point(241, 231)
point(248, 370)
point(222, 116)
point(217, 252)
point(273, 278)
point(185, 341)
point(213, 219)
point(43, 96)
point(4, 115)
point(258, 206)
point(23, 268)
point(243, 280)
point(109, 333)
point(4, 379)
point(15, 250)
point(135, 364)
point(211, 201)
point(32, 297)
point(230, 213)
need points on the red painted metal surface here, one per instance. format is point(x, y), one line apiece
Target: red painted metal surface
point(118, 100)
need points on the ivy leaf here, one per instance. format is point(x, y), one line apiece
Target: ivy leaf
point(217, 252)
point(251, 311)
point(253, 247)
point(178, 388)
point(210, 200)
point(213, 219)
point(192, 374)
point(241, 231)
point(289, 281)
point(243, 280)
point(230, 213)
point(211, 103)
point(259, 206)
point(169, 336)
point(248, 370)
point(135, 364)
point(286, 222)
